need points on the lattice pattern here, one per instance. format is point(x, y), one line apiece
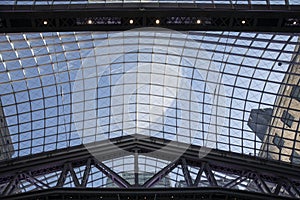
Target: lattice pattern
point(38, 72)
point(88, 172)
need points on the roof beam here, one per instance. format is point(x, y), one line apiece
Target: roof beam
point(117, 17)
point(124, 146)
point(216, 161)
point(143, 193)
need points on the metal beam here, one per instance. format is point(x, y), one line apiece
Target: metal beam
point(73, 174)
point(236, 181)
point(10, 186)
point(221, 161)
point(264, 185)
point(161, 174)
point(186, 173)
point(29, 179)
point(36, 180)
point(117, 179)
point(86, 173)
point(267, 173)
point(117, 17)
point(200, 172)
point(104, 150)
point(47, 162)
point(62, 177)
point(210, 176)
point(142, 193)
point(278, 188)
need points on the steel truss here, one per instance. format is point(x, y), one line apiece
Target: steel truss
point(118, 17)
point(269, 178)
point(141, 194)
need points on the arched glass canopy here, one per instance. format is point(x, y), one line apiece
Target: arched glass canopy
point(39, 70)
point(231, 91)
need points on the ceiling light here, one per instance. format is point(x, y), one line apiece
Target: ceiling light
point(157, 21)
point(198, 21)
point(243, 21)
point(131, 21)
point(89, 21)
point(45, 22)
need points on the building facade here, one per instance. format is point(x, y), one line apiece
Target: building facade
point(7, 149)
point(282, 138)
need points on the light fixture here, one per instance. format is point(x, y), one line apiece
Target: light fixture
point(198, 21)
point(131, 21)
point(294, 23)
point(89, 21)
point(243, 21)
point(157, 21)
point(45, 22)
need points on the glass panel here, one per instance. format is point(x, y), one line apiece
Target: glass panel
point(296, 92)
point(295, 157)
point(279, 142)
point(287, 118)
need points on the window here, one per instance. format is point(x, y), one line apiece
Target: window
point(278, 141)
point(295, 157)
point(295, 93)
point(287, 118)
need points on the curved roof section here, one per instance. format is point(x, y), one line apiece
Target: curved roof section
point(38, 71)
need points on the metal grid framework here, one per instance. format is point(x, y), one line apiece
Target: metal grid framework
point(117, 16)
point(114, 194)
point(38, 73)
point(76, 168)
point(210, 2)
point(114, 18)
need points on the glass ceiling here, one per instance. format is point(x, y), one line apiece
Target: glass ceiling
point(47, 79)
point(229, 2)
point(39, 73)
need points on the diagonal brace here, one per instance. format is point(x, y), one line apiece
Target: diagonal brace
point(159, 175)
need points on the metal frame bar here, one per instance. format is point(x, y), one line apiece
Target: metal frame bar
point(186, 173)
point(200, 172)
point(73, 174)
point(117, 179)
point(29, 179)
point(36, 180)
point(66, 160)
point(86, 173)
point(116, 17)
point(143, 193)
point(179, 5)
point(210, 176)
point(62, 177)
point(237, 180)
point(159, 175)
point(10, 186)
